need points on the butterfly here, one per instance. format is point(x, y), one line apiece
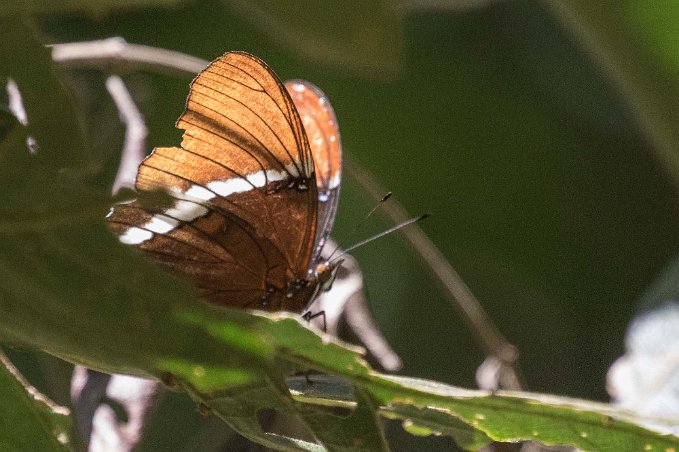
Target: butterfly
point(254, 187)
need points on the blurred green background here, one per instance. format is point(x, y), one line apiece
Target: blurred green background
point(538, 135)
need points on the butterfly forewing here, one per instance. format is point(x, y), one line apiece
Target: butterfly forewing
point(243, 222)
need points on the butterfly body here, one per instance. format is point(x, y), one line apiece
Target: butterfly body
point(243, 224)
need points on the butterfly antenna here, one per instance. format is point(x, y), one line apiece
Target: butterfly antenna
point(384, 199)
point(379, 204)
point(383, 233)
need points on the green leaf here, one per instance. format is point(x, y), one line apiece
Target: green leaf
point(68, 287)
point(430, 405)
point(28, 421)
point(426, 421)
point(511, 417)
point(239, 407)
point(338, 427)
point(360, 429)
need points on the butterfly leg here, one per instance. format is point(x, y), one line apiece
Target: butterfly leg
point(309, 316)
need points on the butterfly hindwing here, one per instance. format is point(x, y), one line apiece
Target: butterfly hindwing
point(322, 130)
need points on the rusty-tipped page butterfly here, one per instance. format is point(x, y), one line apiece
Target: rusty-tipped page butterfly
point(254, 184)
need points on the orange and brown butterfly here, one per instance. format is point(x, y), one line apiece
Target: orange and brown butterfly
point(254, 187)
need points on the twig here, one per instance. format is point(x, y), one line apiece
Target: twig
point(134, 147)
point(100, 427)
point(487, 334)
point(94, 396)
point(16, 107)
point(347, 297)
point(361, 322)
point(116, 55)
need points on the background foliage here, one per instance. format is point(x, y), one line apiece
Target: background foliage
point(538, 134)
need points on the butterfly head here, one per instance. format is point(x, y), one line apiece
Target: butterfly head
point(325, 273)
